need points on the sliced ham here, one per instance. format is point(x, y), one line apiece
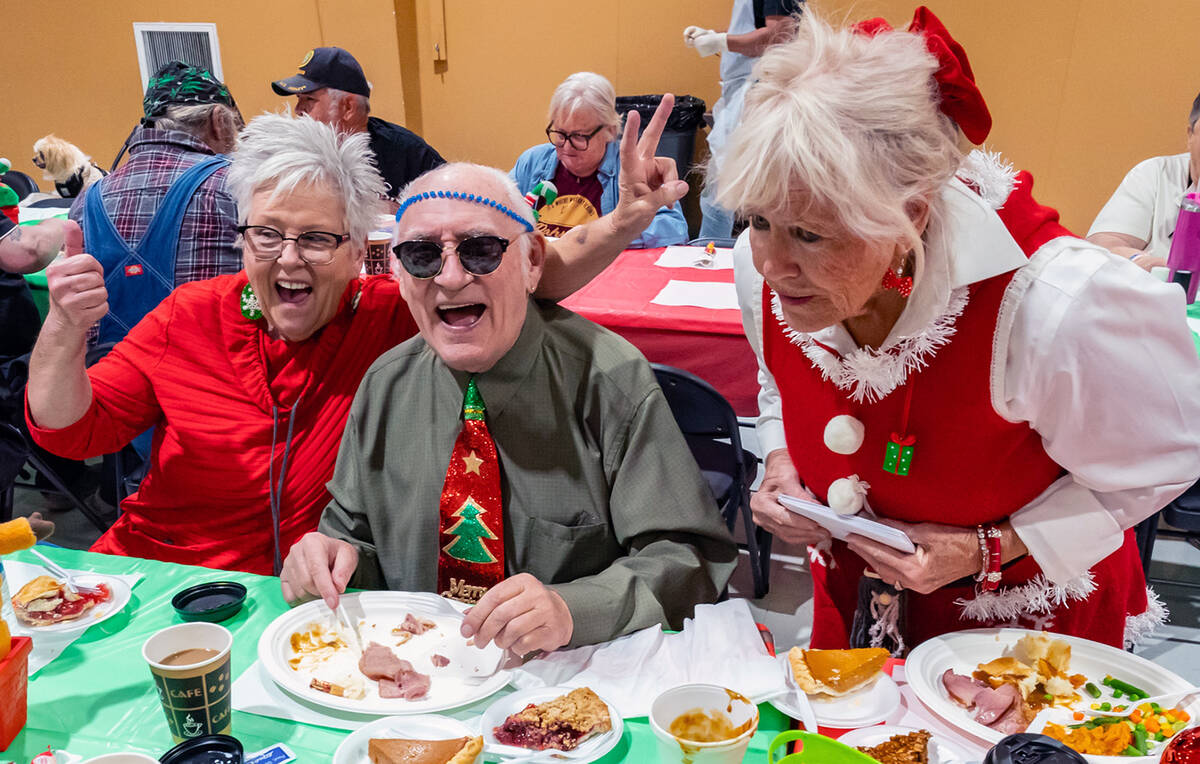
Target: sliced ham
point(991, 704)
point(962, 689)
point(407, 684)
point(379, 662)
point(440, 661)
point(414, 626)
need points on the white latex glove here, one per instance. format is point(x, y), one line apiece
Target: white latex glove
point(710, 43)
point(692, 32)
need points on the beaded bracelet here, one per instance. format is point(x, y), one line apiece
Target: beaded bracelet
point(989, 552)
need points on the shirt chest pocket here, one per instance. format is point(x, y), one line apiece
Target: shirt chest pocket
point(557, 553)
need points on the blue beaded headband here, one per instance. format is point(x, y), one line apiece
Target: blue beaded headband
point(465, 197)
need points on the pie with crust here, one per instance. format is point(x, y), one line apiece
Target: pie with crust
point(459, 750)
point(836, 672)
point(562, 723)
point(44, 601)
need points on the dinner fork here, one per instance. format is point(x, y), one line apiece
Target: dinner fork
point(1134, 704)
point(62, 573)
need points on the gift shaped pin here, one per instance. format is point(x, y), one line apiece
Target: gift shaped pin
point(897, 458)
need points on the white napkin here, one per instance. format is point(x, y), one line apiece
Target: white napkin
point(256, 693)
point(1194, 324)
point(694, 257)
point(720, 645)
point(46, 645)
point(701, 294)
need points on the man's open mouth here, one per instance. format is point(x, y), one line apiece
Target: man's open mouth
point(461, 316)
point(291, 292)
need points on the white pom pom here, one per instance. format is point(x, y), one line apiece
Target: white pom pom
point(847, 495)
point(844, 434)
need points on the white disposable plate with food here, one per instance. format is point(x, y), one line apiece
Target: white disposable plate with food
point(868, 705)
point(941, 751)
point(100, 612)
point(353, 749)
point(590, 750)
point(963, 651)
point(469, 673)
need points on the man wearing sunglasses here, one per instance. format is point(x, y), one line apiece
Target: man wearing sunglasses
point(514, 455)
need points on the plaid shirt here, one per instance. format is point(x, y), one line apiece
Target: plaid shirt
point(132, 193)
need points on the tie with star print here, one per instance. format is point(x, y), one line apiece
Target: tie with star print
point(471, 559)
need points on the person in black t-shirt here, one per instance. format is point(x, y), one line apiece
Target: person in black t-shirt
point(332, 88)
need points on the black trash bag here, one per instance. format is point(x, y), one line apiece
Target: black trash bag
point(1032, 748)
point(686, 116)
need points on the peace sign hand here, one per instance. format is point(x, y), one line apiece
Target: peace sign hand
point(647, 182)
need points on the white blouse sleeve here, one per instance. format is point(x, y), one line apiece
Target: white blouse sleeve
point(1098, 358)
point(749, 284)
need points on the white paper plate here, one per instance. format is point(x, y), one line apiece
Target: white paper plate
point(353, 749)
point(963, 651)
point(452, 685)
point(941, 751)
point(869, 705)
point(100, 612)
point(510, 704)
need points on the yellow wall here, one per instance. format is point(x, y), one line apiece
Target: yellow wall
point(79, 78)
point(1080, 91)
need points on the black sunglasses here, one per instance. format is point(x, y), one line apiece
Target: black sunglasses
point(479, 255)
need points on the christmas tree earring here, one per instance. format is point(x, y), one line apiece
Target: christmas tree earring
point(251, 308)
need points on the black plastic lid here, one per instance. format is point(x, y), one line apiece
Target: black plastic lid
point(213, 601)
point(207, 749)
point(1032, 748)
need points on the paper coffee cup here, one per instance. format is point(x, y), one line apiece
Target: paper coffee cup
point(709, 699)
point(379, 247)
point(190, 664)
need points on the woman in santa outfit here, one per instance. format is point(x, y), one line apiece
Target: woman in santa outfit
point(937, 350)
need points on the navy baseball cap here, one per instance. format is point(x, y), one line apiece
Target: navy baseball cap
point(325, 68)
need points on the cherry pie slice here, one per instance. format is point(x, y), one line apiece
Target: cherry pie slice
point(562, 723)
point(44, 601)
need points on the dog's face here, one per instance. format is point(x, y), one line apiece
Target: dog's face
point(57, 157)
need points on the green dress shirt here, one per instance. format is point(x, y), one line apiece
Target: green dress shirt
point(602, 498)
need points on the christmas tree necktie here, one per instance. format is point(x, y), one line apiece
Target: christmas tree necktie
point(471, 560)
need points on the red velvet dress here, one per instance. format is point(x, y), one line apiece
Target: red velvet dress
point(969, 466)
point(209, 383)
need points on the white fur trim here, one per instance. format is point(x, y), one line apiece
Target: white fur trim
point(990, 175)
point(1139, 627)
point(1037, 595)
point(873, 374)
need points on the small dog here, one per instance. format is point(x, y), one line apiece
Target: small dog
point(71, 170)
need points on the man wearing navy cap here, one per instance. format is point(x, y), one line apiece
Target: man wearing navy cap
point(332, 88)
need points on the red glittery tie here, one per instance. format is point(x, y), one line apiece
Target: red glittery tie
point(471, 559)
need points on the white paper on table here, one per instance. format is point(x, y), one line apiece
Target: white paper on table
point(46, 645)
point(700, 294)
point(1194, 324)
point(696, 257)
point(720, 645)
point(254, 692)
point(841, 526)
point(36, 214)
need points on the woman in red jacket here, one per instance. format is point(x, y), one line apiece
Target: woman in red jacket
point(247, 379)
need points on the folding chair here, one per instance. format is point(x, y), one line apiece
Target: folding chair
point(1183, 517)
point(710, 427)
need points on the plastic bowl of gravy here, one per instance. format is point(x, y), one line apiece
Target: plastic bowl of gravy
point(702, 724)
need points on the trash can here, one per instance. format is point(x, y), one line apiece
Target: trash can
point(679, 136)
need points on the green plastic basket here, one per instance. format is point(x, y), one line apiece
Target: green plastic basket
point(814, 749)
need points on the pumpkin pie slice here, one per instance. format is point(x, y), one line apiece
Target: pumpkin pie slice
point(836, 672)
point(562, 723)
point(460, 750)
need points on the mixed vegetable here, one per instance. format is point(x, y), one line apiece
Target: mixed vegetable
point(1130, 735)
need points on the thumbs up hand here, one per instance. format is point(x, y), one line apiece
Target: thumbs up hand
point(78, 297)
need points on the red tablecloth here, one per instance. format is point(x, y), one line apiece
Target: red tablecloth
point(709, 343)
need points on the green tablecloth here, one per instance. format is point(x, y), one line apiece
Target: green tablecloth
point(97, 697)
